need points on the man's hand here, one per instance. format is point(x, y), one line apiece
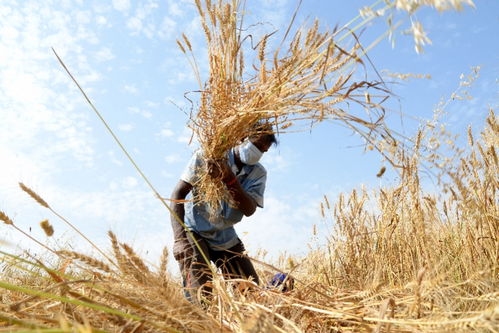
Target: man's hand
point(220, 169)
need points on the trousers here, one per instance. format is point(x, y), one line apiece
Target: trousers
point(196, 274)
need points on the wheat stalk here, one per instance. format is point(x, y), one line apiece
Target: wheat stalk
point(92, 262)
point(134, 258)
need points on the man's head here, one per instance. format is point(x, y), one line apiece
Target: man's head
point(263, 141)
point(252, 149)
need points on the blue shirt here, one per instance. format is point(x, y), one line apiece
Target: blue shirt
point(220, 233)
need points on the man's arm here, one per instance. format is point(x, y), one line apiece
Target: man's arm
point(179, 193)
point(245, 203)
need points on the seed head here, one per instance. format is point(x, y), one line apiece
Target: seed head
point(35, 196)
point(5, 218)
point(381, 172)
point(47, 227)
point(181, 46)
point(186, 40)
point(261, 53)
point(327, 202)
point(470, 137)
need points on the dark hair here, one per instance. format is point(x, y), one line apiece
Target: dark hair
point(270, 137)
point(265, 131)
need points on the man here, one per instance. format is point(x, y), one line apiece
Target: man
point(245, 179)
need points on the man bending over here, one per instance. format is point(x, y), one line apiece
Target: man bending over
point(245, 179)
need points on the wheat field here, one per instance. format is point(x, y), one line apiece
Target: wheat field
point(401, 258)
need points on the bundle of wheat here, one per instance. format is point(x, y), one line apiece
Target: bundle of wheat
point(306, 82)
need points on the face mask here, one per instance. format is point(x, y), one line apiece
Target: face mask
point(249, 153)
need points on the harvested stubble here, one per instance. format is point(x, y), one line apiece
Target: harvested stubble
point(409, 265)
point(304, 83)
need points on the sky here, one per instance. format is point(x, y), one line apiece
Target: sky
point(124, 54)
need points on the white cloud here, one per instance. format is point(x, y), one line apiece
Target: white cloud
point(166, 131)
point(173, 158)
point(104, 54)
point(478, 30)
point(101, 20)
point(134, 24)
point(112, 156)
point(129, 182)
point(83, 17)
point(181, 76)
point(142, 22)
point(274, 3)
point(167, 174)
point(19, 167)
point(152, 104)
point(121, 5)
point(175, 9)
point(143, 113)
point(276, 162)
point(125, 127)
point(132, 89)
point(167, 29)
point(22, 86)
point(451, 26)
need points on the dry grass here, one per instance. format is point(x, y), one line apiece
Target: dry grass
point(401, 259)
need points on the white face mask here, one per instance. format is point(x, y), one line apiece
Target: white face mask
point(249, 153)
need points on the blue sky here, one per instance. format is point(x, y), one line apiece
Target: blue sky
point(124, 54)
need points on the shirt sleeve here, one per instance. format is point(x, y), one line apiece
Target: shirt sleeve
point(256, 188)
point(190, 173)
